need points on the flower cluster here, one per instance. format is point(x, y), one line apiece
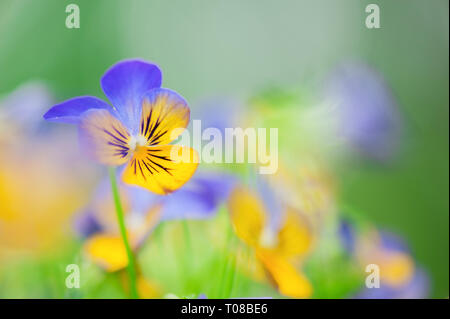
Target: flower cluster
point(171, 226)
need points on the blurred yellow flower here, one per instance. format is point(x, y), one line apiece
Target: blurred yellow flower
point(39, 196)
point(278, 246)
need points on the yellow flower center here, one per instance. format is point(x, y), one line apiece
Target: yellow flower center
point(397, 269)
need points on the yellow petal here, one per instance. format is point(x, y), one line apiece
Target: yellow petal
point(147, 289)
point(247, 215)
point(161, 169)
point(397, 268)
point(108, 251)
point(295, 237)
point(164, 116)
point(286, 277)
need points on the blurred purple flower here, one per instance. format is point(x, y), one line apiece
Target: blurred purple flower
point(20, 110)
point(400, 277)
point(416, 288)
point(86, 224)
point(367, 114)
point(219, 113)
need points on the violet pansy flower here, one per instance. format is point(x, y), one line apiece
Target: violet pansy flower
point(137, 129)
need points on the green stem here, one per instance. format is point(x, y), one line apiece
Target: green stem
point(230, 266)
point(131, 268)
point(187, 239)
point(230, 278)
point(185, 259)
point(188, 248)
point(187, 236)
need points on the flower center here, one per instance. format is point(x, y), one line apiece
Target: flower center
point(136, 141)
point(268, 238)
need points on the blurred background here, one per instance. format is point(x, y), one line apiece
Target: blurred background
point(264, 54)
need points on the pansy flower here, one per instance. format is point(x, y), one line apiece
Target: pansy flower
point(365, 111)
point(279, 234)
point(137, 129)
point(400, 276)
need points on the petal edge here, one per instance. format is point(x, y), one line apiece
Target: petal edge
point(125, 83)
point(71, 110)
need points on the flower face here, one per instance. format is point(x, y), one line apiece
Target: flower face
point(279, 235)
point(137, 129)
point(400, 276)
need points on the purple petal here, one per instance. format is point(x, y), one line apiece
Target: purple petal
point(86, 224)
point(416, 288)
point(392, 242)
point(125, 84)
point(25, 105)
point(368, 114)
point(272, 204)
point(141, 200)
point(199, 198)
point(347, 234)
point(70, 111)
